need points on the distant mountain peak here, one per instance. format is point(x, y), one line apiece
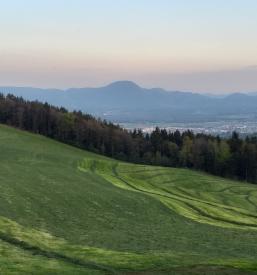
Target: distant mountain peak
point(124, 84)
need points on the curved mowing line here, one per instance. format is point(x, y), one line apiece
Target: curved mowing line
point(172, 181)
point(237, 210)
point(53, 255)
point(205, 202)
point(199, 211)
point(141, 170)
point(187, 198)
point(230, 188)
point(113, 168)
point(248, 198)
point(202, 213)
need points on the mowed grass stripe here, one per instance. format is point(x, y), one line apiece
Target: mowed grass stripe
point(214, 212)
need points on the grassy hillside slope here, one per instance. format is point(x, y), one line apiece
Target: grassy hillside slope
point(64, 210)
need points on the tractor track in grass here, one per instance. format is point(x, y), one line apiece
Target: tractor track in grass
point(52, 255)
point(194, 208)
point(205, 202)
point(186, 197)
point(248, 198)
point(189, 202)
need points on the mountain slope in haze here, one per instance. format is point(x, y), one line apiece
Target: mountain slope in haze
point(65, 210)
point(126, 101)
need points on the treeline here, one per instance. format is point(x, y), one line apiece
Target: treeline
point(234, 157)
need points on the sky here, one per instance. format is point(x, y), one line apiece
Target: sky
point(206, 46)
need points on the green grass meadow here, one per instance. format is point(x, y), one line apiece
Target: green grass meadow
point(67, 211)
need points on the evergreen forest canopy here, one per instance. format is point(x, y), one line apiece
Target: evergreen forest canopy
point(233, 157)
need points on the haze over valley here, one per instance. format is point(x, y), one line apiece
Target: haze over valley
point(132, 106)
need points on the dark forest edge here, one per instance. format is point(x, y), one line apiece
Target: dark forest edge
point(234, 157)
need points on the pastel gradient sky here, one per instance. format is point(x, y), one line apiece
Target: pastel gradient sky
point(193, 45)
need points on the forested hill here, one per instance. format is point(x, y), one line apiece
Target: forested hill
point(233, 157)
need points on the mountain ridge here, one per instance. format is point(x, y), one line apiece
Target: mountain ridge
point(127, 101)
